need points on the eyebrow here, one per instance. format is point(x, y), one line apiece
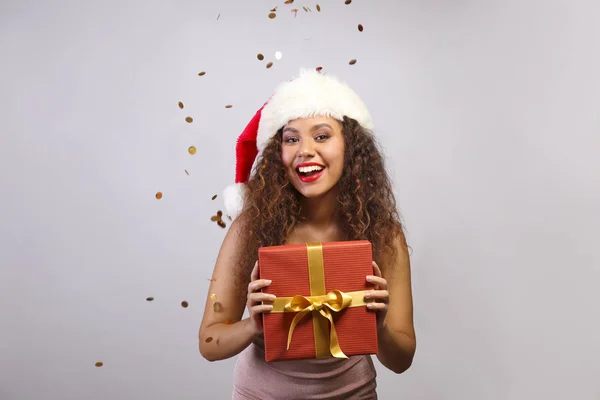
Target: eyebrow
point(314, 128)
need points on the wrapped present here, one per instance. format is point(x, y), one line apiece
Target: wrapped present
point(320, 310)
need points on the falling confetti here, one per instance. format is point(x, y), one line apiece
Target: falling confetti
point(318, 8)
point(158, 195)
point(189, 120)
point(186, 172)
point(228, 106)
point(278, 55)
point(192, 150)
point(305, 8)
point(180, 104)
point(218, 16)
point(352, 62)
point(209, 339)
point(289, 1)
point(348, 1)
point(99, 364)
point(219, 219)
point(260, 57)
point(295, 11)
point(221, 224)
point(230, 218)
point(272, 15)
point(201, 73)
point(319, 69)
point(360, 27)
point(214, 197)
point(149, 298)
point(184, 304)
point(269, 64)
point(213, 296)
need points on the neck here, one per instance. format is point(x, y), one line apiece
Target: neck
point(320, 211)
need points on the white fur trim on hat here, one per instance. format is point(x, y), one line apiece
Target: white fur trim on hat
point(233, 199)
point(311, 94)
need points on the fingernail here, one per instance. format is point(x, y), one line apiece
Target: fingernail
point(369, 277)
point(367, 295)
point(272, 297)
point(268, 281)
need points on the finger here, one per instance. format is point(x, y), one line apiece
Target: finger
point(378, 295)
point(376, 306)
point(376, 269)
point(254, 274)
point(261, 308)
point(378, 281)
point(258, 284)
point(258, 297)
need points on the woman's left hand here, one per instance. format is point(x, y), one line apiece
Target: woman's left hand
point(378, 299)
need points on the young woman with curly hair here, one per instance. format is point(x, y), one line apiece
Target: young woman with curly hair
point(308, 170)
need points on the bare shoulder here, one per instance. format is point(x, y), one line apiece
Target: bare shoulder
point(223, 285)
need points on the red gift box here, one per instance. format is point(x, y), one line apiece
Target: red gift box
point(320, 306)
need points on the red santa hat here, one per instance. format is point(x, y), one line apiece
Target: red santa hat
point(311, 94)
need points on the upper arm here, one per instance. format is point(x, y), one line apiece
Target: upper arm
point(397, 273)
point(223, 284)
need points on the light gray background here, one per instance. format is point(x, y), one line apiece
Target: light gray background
point(489, 114)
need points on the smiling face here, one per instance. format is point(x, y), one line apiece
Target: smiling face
point(312, 152)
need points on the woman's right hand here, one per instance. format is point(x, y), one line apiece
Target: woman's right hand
point(255, 298)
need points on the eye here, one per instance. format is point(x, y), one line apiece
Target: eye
point(322, 136)
point(290, 140)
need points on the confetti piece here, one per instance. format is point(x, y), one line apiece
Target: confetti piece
point(278, 55)
point(260, 57)
point(186, 172)
point(219, 213)
point(192, 150)
point(352, 62)
point(295, 11)
point(158, 195)
point(221, 224)
point(189, 120)
point(348, 2)
point(218, 16)
point(228, 322)
point(213, 296)
point(289, 1)
point(216, 306)
point(229, 218)
point(180, 104)
point(214, 197)
point(228, 106)
point(184, 304)
point(360, 27)
point(201, 73)
point(269, 64)
point(272, 15)
point(318, 8)
point(149, 298)
point(305, 9)
point(319, 69)
point(99, 364)
point(209, 339)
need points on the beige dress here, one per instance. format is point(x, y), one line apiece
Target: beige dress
point(348, 379)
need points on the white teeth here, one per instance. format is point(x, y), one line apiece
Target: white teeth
point(309, 169)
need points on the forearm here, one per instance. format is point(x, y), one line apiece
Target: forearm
point(221, 341)
point(396, 349)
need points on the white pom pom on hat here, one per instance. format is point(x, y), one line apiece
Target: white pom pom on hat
point(311, 94)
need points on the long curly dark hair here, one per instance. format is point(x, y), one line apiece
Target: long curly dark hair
point(366, 203)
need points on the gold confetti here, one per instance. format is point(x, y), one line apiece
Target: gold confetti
point(180, 104)
point(213, 296)
point(228, 106)
point(289, 1)
point(269, 64)
point(318, 8)
point(360, 27)
point(158, 195)
point(209, 339)
point(149, 298)
point(184, 304)
point(295, 11)
point(186, 172)
point(202, 73)
point(192, 150)
point(214, 197)
point(216, 306)
point(189, 120)
point(99, 364)
point(352, 62)
point(221, 224)
point(218, 219)
point(260, 56)
point(348, 1)
point(272, 15)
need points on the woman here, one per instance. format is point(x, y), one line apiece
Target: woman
point(308, 170)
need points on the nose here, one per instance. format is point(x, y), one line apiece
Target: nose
point(306, 151)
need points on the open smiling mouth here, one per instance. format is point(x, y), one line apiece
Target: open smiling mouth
point(310, 173)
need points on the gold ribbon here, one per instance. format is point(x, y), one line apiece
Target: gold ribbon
point(320, 304)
